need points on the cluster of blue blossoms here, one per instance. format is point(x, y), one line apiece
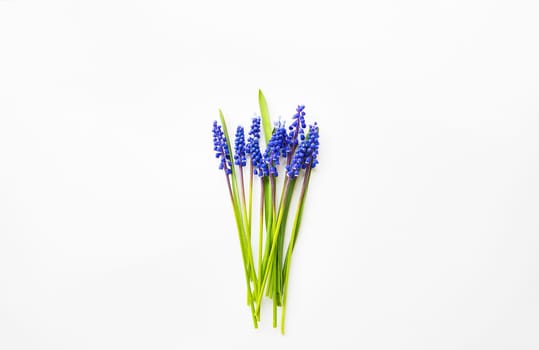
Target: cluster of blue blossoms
point(306, 153)
point(221, 148)
point(300, 150)
point(239, 148)
point(253, 149)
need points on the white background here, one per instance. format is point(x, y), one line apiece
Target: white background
point(421, 229)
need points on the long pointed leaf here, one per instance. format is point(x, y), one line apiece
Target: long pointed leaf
point(264, 114)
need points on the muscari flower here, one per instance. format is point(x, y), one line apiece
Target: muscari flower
point(254, 135)
point(252, 148)
point(239, 148)
point(221, 149)
point(296, 129)
point(277, 147)
point(306, 154)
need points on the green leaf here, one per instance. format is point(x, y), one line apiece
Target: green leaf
point(268, 131)
point(268, 205)
point(264, 114)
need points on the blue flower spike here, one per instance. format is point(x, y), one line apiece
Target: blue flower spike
point(239, 148)
point(253, 149)
point(277, 147)
point(221, 149)
point(254, 135)
point(306, 154)
point(296, 130)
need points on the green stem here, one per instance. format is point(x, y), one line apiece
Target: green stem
point(250, 298)
point(260, 237)
point(261, 228)
point(244, 204)
point(268, 213)
point(271, 209)
point(292, 243)
point(273, 200)
point(250, 195)
point(285, 289)
point(271, 255)
point(278, 254)
point(274, 208)
point(247, 233)
point(275, 304)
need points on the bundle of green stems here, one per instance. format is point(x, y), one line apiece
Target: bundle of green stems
point(267, 245)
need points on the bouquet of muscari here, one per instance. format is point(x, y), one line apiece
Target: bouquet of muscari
point(291, 151)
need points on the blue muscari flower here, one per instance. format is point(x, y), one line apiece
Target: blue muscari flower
point(253, 149)
point(306, 154)
point(296, 129)
point(277, 147)
point(221, 149)
point(260, 167)
point(239, 148)
point(254, 135)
